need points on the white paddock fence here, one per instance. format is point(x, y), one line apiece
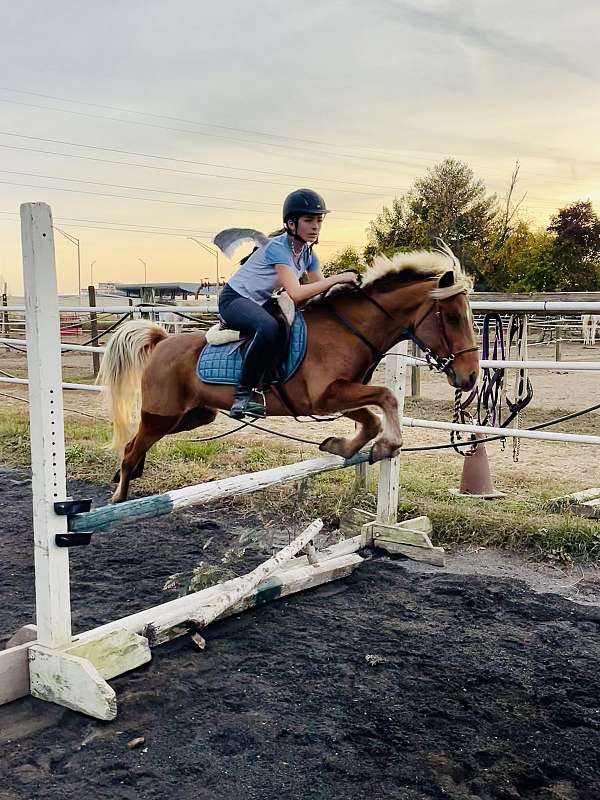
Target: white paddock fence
point(518, 307)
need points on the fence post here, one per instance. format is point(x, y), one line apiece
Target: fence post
point(558, 331)
point(147, 297)
point(94, 329)
point(5, 318)
point(389, 471)
point(52, 594)
point(415, 374)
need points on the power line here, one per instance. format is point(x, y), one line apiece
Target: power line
point(180, 171)
point(192, 161)
point(252, 132)
point(287, 148)
point(193, 122)
point(159, 191)
point(156, 230)
point(145, 199)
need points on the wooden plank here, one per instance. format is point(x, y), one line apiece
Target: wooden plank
point(590, 509)
point(389, 533)
point(52, 595)
point(353, 521)
point(27, 633)
point(536, 297)
point(422, 523)
point(429, 555)
point(559, 503)
point(160, 504)
point(14, 673)
point(71, 682)
point(114, 653)
point(176, 618)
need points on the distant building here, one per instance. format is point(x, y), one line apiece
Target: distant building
point(161, 291)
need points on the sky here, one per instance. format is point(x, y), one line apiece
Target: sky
point(145, 123)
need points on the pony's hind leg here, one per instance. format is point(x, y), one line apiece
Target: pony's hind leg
point(195, 419)
point(152, 428)
point(369, 426)
point(349, 397)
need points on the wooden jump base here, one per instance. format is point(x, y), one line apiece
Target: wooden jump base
point(45, 659)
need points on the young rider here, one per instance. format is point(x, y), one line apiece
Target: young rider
point(280, 264)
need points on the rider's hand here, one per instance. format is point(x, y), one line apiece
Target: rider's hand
point(347, 277)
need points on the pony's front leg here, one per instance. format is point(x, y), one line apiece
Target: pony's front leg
point(344, 396)
point(369, 426)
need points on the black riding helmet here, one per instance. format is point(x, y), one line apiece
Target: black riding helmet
point(303, 201)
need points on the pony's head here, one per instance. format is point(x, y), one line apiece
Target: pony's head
point(439, 315)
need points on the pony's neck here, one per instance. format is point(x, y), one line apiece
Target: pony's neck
point(402, 304)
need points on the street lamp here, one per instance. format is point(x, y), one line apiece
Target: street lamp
point(145, 269)
point(75, 241)
point(214, 253)
point(92, 272)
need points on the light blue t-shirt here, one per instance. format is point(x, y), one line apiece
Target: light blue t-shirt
point(257, 278)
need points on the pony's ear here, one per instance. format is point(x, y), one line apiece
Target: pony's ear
point(446, 280)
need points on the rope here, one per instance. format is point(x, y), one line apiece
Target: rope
point(497, 438)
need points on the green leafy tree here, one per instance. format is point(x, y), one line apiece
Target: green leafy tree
point(345, 260)
point(576, 251)
point(522, 262)
point(448, 202)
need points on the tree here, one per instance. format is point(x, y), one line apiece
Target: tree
point(576, 251)
point(521, 263)
point(453, 204)
point(347, 259)
point(448, 202)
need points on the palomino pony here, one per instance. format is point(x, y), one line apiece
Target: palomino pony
point(421, 296)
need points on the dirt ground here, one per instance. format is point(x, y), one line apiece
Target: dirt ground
point(403, 682)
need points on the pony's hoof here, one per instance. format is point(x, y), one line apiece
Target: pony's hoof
point(384, 449)
point(335, 445)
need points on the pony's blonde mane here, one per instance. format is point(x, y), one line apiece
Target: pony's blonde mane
point(428, 263)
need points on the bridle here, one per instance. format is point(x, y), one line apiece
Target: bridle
point(434, 361)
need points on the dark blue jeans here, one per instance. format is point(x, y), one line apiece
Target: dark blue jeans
point(248, 317)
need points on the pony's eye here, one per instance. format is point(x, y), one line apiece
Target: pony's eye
point(453, 318)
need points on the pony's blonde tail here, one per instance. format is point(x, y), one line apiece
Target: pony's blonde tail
point(120, 375)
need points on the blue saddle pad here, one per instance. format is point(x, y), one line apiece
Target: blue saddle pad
point(222, 363)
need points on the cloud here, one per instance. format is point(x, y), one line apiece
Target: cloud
point(452, 23)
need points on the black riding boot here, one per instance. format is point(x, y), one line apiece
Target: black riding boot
point(245, 405)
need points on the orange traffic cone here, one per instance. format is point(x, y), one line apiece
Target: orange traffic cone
point(476, 480)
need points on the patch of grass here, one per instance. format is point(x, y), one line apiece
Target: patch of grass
point(175, 450)
point(520, 522)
